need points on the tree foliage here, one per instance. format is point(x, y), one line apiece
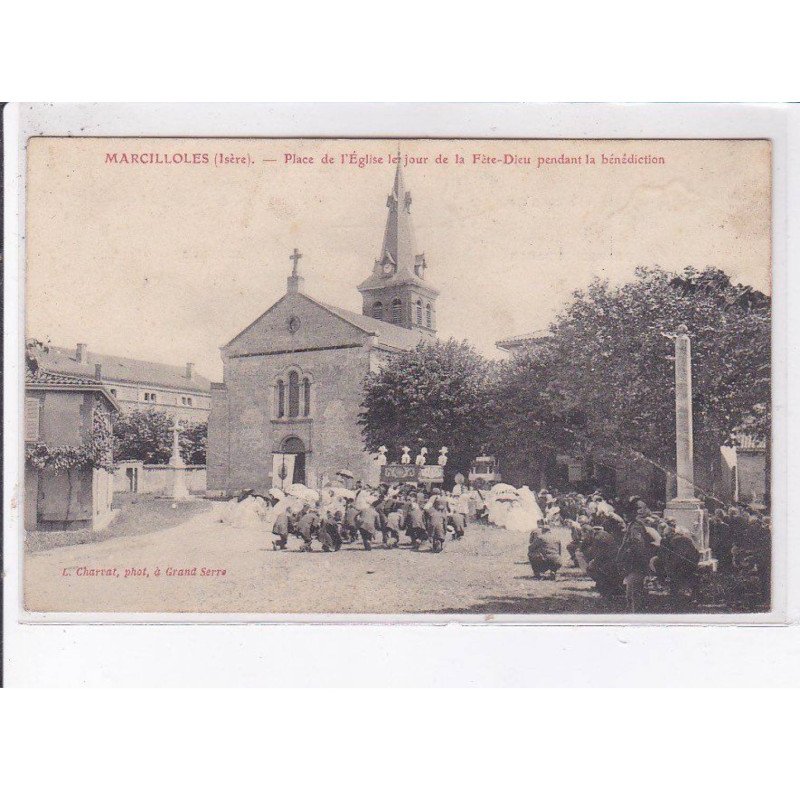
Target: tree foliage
point(192, 442)
point(147, 436)
point(605, 374)
point(433, 396)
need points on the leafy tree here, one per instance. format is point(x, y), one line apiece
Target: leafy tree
point(435, 395)
point(147, 436)
point(605, 375)
point(527, 430)
point(143, 436)
point(192, 441)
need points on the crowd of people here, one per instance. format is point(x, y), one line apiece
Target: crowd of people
point(623, 546)
point(426, 517)
point(620, 545)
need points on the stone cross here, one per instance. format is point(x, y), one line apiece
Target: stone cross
point(295, 257)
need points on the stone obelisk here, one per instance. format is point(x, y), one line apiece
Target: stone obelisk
point(685, 508)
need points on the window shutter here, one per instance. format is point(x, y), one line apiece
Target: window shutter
point(32, 419)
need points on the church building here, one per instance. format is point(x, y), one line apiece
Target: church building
point(287, 409)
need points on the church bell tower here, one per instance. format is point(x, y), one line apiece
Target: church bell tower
point(397, 291)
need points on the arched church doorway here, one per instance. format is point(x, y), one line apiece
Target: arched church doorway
point(293, 458)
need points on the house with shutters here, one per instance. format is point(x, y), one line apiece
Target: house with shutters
point(63, 415)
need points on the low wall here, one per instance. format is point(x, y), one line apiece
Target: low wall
point(154, 478)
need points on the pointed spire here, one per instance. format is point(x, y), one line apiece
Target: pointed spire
point(399, 245)
point(399, 263)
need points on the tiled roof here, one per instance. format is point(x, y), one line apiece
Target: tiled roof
point(389, 335)
point(42, 379)
point(124, 370)
point(54, 379)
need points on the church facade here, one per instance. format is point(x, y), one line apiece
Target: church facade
point(287, 409)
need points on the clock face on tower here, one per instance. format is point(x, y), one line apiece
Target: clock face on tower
point(388, 270)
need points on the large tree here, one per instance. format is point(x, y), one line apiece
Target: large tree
point(433, 396)
point(147, 436)
point(605, 374)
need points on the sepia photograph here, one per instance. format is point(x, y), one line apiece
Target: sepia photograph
point(496, 378)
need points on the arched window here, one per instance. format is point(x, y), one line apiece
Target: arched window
point(281, 399)
point(306, 397)
point(397, 310)
point(294, 394)
point(377, 310)
point(428, 316)
point(419, 312)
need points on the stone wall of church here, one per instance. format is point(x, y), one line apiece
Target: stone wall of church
point(217, 446)
point(331, 434)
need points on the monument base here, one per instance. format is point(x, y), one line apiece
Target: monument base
point(176, 483)
point(691, 514)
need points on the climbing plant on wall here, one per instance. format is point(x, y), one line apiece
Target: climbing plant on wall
point(96, 453)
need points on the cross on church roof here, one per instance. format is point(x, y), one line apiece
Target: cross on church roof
point(294, 258)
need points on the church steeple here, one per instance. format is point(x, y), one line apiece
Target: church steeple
point(397, 290)
point(399, 246)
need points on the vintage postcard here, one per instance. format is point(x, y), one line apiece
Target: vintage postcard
point(404, 376)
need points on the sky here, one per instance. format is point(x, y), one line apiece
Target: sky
point(169, 259)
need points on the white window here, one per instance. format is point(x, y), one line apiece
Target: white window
point(32, 414)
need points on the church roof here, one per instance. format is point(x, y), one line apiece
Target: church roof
point(399, 246)
point(389, 335)
point(64, 361)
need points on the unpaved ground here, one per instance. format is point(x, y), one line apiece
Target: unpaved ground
point(136, 514)
point(487, 572)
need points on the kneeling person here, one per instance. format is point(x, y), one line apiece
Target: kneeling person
point(544, 552)
point(280, 528)
point(368, 522)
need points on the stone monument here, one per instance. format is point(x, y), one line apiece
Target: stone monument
point(176, 475)
point(686, 509)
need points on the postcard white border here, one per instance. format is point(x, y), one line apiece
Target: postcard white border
point(776, 123)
